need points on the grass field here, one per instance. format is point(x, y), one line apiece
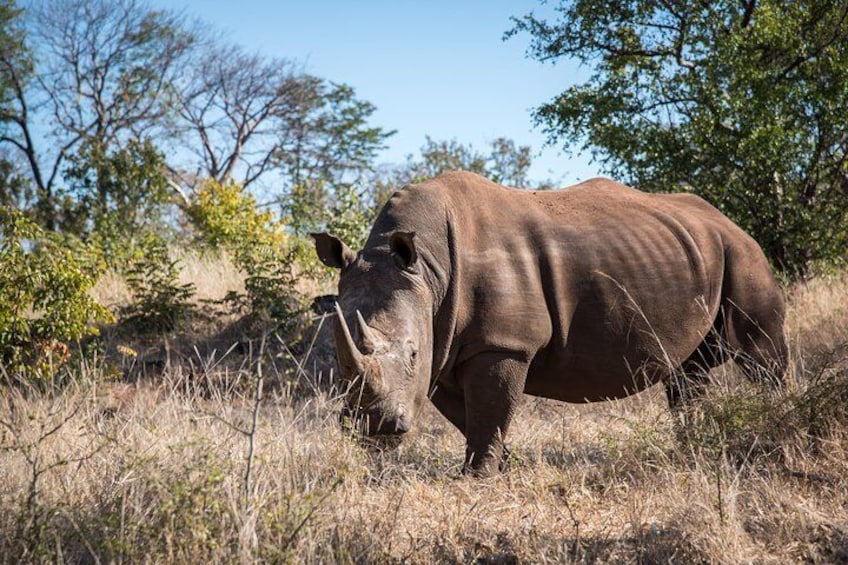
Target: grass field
point(171, 452)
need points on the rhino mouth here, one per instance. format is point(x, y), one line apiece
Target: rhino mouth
point(372, 423)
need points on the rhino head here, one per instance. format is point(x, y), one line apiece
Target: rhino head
point(383, 331)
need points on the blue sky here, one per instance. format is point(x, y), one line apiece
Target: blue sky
point(437, 68)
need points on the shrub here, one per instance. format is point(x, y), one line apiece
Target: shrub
point(351, 218)
point(227, 218)
point(45, 303)
point(160, 303)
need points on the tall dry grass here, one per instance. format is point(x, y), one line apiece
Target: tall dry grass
point(213, 275)
point(195, 466)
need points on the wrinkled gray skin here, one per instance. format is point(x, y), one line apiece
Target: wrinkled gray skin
point(472, 294)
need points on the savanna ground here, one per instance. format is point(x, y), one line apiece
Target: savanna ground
point(209, 447)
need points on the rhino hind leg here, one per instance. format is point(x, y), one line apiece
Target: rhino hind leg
point(753, 338)
point(756, 339)
point(686, 384)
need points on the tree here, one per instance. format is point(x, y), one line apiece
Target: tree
point(104, 75)
point(110, 80)
point(326, 148)
point(328, 138)
point(15, 68)
point(231, 105)
point(250, 120)
point(118, 195)
point(744, 103)
point(506, 163)
point(438, 157)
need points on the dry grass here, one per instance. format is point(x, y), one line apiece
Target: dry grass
point(157, 471)
point(213, 274)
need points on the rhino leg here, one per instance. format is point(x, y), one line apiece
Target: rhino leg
point(687, 383)
point(754, 309)
point(758, 343)
point(493, 385)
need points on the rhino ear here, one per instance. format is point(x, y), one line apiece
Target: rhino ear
point(402, 244)
point(332, 251)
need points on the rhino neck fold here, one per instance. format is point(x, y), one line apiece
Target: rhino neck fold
point(446, 307)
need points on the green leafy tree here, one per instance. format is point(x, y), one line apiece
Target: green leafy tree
point(509, 164)
point(506, 163)
point(326, 147)
point(116, 196)
point(436, 157)
point(744, 103)
point(328, 138)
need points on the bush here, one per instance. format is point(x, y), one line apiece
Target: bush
point(351, 218)
point(160, 303)
point(45, 305)
point(226, 218)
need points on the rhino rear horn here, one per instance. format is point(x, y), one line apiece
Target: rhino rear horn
point(369, 339)
point(351, 360)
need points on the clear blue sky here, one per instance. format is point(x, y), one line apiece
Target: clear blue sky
point(437, 67)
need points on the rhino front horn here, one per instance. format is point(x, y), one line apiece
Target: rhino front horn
point(351, 360)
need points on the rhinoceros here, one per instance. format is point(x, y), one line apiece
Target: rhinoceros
point(471, 294)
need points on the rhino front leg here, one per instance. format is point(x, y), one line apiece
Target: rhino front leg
point(493, 385)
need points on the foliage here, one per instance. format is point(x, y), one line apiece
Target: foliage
point(326, 147)
point(102, 77)
point(505, 163)
point(227, 218)
point(349, 215)
point(45, 304)
point(160, 303)
point(744, 103)
point(117, 195)
point(350, 218)
point(508, 164)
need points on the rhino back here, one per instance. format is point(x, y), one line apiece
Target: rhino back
point(602, 286)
